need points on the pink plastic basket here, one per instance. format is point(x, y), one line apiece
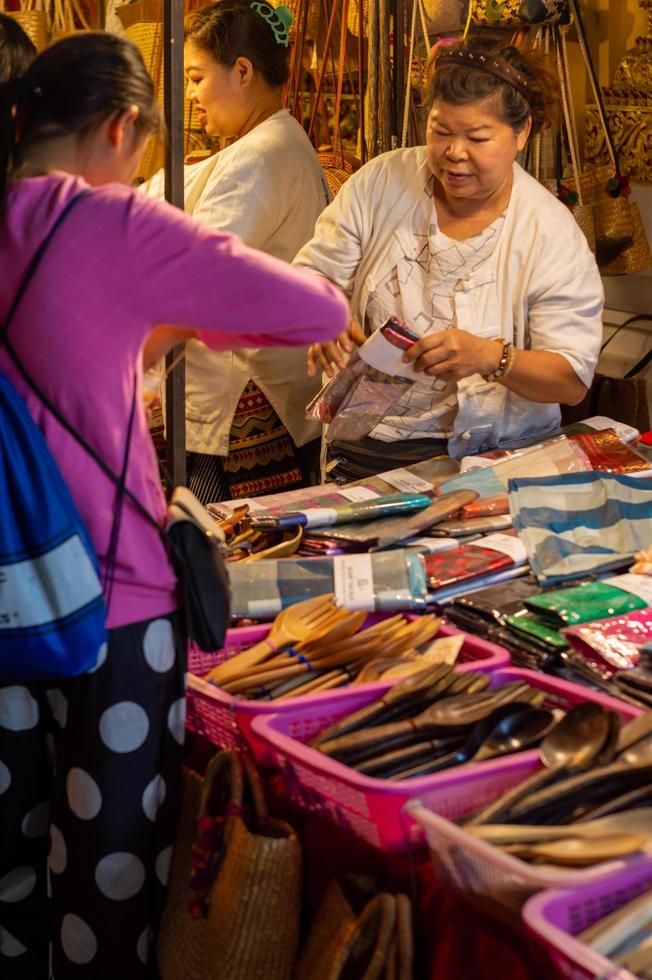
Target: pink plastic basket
point(373, 808)
point(556, 917)
point(227, 720)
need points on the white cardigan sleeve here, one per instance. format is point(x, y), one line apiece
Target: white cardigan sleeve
point(341, 234)
point(566, 300)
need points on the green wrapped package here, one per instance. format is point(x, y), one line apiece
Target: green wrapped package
point(582, 603)
point(543, 634)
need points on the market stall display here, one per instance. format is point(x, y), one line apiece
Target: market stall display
point(373, 808)
point(226, 718)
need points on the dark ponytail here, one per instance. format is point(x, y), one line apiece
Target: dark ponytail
point(72, 87)
point(231, 29)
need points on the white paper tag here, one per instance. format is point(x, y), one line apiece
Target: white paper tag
point(506, 544)
point(264, 607)
point(378, 353)
point(625, 432)
point(319, 516)
point(252, 504)
point(432, 544)
point(353, 582)
point(638, 585)
point(405, 481)
point(358, 494)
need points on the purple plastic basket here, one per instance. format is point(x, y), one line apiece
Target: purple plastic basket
point(556, 917)
point(373, 808)
point(227, 720)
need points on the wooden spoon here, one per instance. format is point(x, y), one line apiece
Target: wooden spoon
point(577, 852)
point(570, 747)
point(295, 623)
point(632, 821)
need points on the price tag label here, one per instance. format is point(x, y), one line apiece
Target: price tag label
point(506, 544)
point(357, 494)
point(264, 607)
point(353, 582)
point(638, 585)
point(432, 544)
point(405, 481)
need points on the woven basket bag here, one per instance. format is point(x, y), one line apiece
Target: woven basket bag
point(249, 887)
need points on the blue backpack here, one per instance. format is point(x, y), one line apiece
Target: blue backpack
point(52, 607)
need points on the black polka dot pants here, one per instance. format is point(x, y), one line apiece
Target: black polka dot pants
point(89, 792)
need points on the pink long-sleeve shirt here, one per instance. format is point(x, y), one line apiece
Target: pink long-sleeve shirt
point(120, 265)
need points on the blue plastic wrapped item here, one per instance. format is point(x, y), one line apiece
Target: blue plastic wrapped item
point(383, 582)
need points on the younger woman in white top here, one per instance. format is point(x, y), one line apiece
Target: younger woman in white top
point(268, 188)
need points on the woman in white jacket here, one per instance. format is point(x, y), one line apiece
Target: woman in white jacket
point(487, 267)
point(246, 428)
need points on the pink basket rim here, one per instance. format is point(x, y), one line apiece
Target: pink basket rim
point(535, 910)
point(497, 659)
point(265, 726)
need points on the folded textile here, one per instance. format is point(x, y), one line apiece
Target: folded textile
point(577, 524)
point(391, 580)
point(617, 641)
point(470, 561)
point(577, 453)
point(468, 586)
point(375, 535)
point(421, 477)
point(349, 511)
point(583, 603)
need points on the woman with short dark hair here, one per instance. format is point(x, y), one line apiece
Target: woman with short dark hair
point(481, 261)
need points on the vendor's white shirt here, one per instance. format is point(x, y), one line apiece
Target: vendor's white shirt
point(540, 288)
point(421, 293)
point(269, 189)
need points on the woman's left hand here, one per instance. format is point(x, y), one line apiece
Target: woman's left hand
point(453, 354)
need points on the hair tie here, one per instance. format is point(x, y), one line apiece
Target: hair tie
point(19, 88)
point(280, 19)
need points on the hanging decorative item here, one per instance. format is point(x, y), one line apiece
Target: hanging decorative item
point(606, 188)
point(628, 106)
point(517, 14)
point(445, 16)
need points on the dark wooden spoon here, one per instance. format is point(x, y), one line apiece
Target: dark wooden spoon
point(571, 746)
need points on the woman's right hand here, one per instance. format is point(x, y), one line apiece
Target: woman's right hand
point(332, 356)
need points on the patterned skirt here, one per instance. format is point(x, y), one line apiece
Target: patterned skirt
point(262, 456)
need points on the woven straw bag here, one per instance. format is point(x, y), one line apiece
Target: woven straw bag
point(355, 936)
point(614, 225)
point(244, 887)
point(637, 257)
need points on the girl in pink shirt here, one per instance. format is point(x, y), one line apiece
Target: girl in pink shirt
point(105, 804)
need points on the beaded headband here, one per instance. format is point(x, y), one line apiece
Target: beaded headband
point(489, 64)
point(280, 19)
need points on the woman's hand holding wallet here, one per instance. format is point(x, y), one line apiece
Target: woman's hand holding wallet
point(332, 356)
